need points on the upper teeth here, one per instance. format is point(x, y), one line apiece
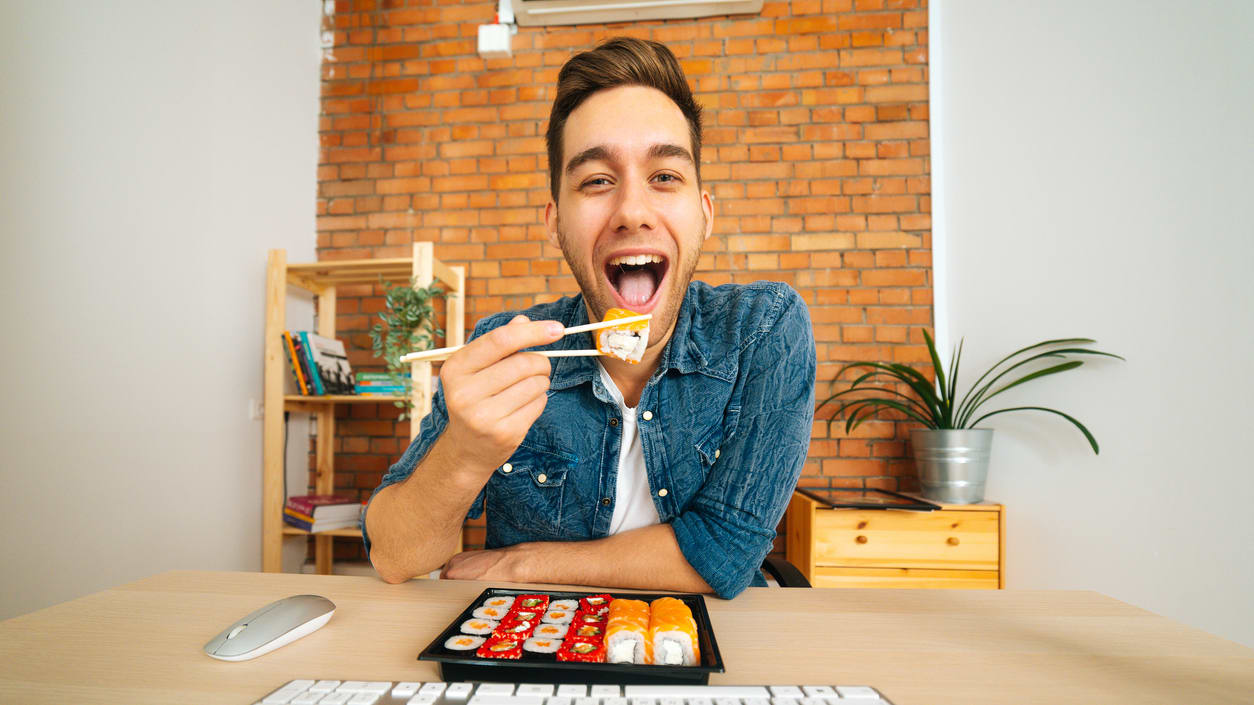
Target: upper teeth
point(636, 259)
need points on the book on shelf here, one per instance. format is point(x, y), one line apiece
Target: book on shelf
point(381, 384)
point(325, 507)
point(295, 519)
point(292, 357)
point(327, 364)
point(380, 391)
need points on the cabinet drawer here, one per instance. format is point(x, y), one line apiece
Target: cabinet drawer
point(944, 539)
point(905, 578)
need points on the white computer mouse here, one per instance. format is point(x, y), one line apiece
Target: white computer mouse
point(278, 623)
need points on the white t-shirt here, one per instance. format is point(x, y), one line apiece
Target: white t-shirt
point(633, 501)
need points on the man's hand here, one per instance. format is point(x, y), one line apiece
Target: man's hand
point(494, 393)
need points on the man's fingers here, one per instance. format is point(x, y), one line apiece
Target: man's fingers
point(502, 342)
point(524, 392)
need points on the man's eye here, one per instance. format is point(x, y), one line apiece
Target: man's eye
point(667, 178)
point(597, 181)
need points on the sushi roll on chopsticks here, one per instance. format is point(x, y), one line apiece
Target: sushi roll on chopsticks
point(673, 633)
point(627, 633)
point(625, 342)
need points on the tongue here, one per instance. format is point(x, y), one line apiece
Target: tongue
point(636, 286)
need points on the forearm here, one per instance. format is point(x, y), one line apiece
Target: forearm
point(415, 525)
point(648, 558)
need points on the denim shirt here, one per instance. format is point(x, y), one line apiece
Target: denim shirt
point(724, 423)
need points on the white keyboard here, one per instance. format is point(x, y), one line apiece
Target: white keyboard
point(332, 692)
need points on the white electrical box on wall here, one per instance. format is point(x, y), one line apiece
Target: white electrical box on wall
point(494, 41)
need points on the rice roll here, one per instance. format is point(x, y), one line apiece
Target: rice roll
point(462, 642)
point(673, 633)
point(492, 613)
point(503, 602)
point(564, 605)
point(627, 633)
point(542, 645)
point(625, 342)
point(478, 626)
point(551, 631)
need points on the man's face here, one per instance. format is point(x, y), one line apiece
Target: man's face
point(630, 217)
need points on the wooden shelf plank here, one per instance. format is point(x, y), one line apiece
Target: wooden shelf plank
point(341, 399)
point(293, 531)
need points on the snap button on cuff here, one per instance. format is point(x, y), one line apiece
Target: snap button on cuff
point(717, 453)
point(507, 468)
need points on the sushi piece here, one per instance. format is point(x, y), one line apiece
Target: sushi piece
point(673, 633)
point(582, 650)
point(558, 616)
point(539, 603)
point(564, 605)
point(551, 631)
point(542, 645)
point(478, 626)
point(529, 615)
point(593, 631)
point(503, 602)
point(626, 341)
point(501, 647)
point(492, 613)
point(515, 628)
point(627, 633)
point(462, 642)
point(582, 617)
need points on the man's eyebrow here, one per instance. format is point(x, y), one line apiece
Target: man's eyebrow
point(602, 153)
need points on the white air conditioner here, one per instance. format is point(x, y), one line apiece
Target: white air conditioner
point(533, 13)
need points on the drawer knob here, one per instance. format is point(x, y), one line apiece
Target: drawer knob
point(952, 541)
point(861, 539)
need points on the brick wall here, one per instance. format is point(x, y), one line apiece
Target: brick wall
point(816, 151)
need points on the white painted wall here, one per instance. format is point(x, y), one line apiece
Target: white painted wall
point(1094, 160)
point(151, 153)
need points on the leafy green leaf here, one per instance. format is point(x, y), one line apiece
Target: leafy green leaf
point(1092, 441)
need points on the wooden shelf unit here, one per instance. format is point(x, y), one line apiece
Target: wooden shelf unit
point(321, 280)
point(956, 546)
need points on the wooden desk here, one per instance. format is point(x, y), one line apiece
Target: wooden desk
point(141, 643)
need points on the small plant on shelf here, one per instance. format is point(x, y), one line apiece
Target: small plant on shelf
point(407, 323)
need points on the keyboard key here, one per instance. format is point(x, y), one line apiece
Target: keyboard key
point(423, 699)
point(479, 699)
point(856, 691)
point(606, 691)
point(495, 689)
point(696, 691)
point(613, 701)
point(587, 701)
point(785, 701)
point(433, 688)
point(352, 687)
point(459, 691)
point(572, 690)
point(757, 701)
point(646, 701)
point(365, 698)
point(812, 700)
point(671, 701)
point(308, 697)
point(406, 689)
point(280, 697)
point(324, 686)
point(544, 689)
point(726, 701)
point(787, 691)
point(338, 697)
point(819, 691)
point(700, 701)
point(558, 700)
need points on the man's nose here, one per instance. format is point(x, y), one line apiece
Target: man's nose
point(634, 211)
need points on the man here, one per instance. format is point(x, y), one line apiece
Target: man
point(668, 474)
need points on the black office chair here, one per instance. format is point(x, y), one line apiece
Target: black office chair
point(784, 573)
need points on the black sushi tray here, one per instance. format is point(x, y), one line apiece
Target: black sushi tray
point(545, 668)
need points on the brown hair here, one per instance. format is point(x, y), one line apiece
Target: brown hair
point(621, 61)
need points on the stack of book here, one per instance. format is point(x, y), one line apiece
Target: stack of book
point(322, 512)
point(320, 365)
point(379, 384)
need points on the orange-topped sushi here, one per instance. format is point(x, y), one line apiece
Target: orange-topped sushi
point(673, 632)
point(625, 342)
point(627, 632)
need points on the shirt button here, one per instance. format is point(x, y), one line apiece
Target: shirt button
point(605, 501)
point(661, 492)
point(647, 416)
point(542, 478)
point(613, 422)
point(507, 468)
point(717, 453)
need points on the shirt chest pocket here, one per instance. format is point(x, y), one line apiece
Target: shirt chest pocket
point(527, 493)
point(710, 442)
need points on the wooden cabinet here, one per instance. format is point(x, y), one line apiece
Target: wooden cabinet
point(956, 546)
point(321, 280)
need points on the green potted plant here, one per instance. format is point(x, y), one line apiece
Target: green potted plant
point(950, 453)
point(407, 323)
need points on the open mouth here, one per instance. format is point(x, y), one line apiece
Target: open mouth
point(636, 279)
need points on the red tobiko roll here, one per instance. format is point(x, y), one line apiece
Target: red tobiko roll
point(597, 604)
point(520, 629)
point(538, 603)
point(582, 617)
point(501, 647)
point(582, 650)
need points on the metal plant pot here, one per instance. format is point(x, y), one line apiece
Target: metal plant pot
point(952, 465)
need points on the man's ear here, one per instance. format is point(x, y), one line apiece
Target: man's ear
point(707, 205)
point(550, 223)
